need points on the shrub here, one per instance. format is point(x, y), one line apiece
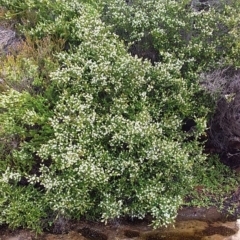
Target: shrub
point(201, 37)
point(105, 137)
point(118, 143)
point(21, 206)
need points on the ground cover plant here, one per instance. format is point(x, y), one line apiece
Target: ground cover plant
point(97, 103)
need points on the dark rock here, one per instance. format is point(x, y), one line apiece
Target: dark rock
point(203, 214)
point(61, 225)
point(92, 234)
point(224, 231)
point(131, 233)
point(212, 214)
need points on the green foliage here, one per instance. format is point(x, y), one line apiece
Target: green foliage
point(21, 206)
point(202, 39)
point(89, 130)
point(231, 24)
point(54, 18)
point(24, 127)
point(214, 185)
point(115, 143)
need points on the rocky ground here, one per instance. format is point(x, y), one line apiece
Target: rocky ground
point(8, 40)
point(191, 224)
point(184, 230)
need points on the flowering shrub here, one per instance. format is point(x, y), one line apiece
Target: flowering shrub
point(104, 137)
point(201, 37)
point(118, 143)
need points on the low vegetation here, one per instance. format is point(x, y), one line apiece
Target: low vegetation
point(103, 109)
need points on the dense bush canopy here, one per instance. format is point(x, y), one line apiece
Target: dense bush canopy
point(95, 123)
